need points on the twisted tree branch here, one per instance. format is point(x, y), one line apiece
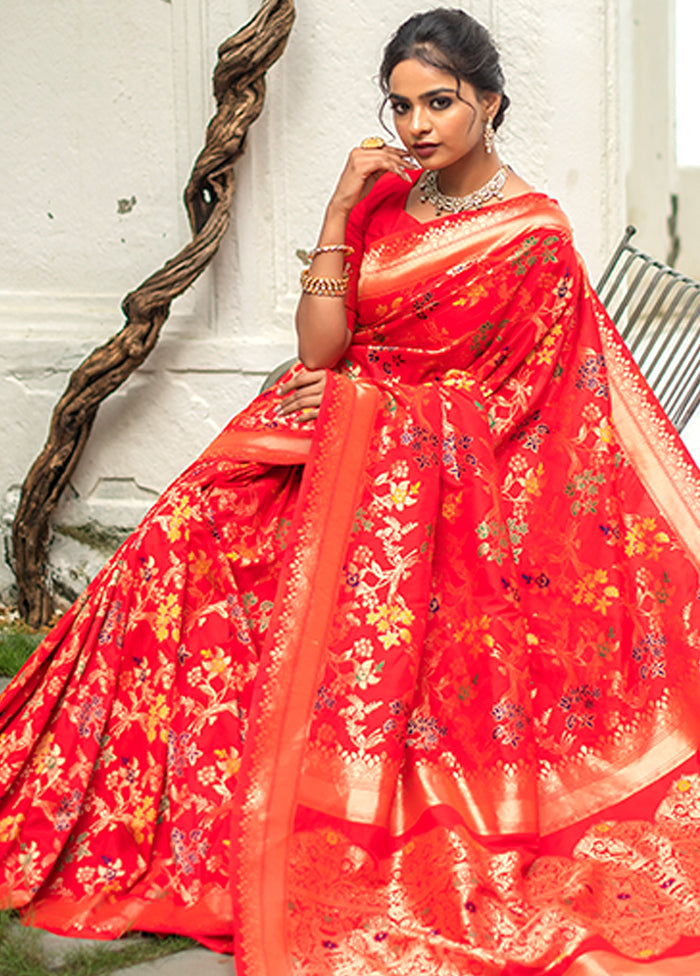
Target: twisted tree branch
point(239, 89)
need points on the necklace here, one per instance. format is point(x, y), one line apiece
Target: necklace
point(430, 193)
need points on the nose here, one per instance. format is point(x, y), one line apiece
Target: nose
point(418, 122)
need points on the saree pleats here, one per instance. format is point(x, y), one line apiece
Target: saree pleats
point(122, 737)
point(414, 689)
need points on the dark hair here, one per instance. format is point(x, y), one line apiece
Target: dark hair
point(452, 41)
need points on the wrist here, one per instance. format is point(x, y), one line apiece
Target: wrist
point(337, 212)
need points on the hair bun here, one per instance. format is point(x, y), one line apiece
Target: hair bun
point(452, 41)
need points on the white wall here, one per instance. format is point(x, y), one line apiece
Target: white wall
point(652, 173)
point(105, 102)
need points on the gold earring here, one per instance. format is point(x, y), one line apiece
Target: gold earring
point(489, 135)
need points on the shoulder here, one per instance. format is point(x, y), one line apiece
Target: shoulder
point(388, 194)
point(379, 212)
point(541, 212)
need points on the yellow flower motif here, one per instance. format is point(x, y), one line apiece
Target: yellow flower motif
point(157, 716)
point(332, 838)
point(389, 621)
point(532, 480)
point(182, 511)
point(228, 762)
point(383, 310)
point(595, 590)
point(9, 827)
point(143, 817)
point(475, 632)
point(458, 379)
point(166, 618)
point(403, 493)
point(683, 785)
point(610, 593)
point(605, 432)
point(545, 351)
point(602, 828)
point(199, 565)
point(215, 662)
point(48, 759)
point(642, 538)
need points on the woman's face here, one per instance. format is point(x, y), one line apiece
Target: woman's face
point(438, 125)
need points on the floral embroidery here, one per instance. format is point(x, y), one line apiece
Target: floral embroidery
point(511, 722)
point(591, 376)
point(596, 591)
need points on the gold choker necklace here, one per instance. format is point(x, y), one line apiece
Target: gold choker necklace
point(430, 193)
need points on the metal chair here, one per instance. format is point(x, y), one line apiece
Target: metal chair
point(656, 309)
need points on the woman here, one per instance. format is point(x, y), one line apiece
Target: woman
point(413, 688)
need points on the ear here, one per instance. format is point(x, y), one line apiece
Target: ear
point(490, 103)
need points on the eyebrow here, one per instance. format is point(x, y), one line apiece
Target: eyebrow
point(428, 94)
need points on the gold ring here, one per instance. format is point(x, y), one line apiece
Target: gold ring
point(372, 142)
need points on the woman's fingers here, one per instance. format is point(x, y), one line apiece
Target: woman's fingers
point(363, 169)
point(371, 163)
point(305, 415)
point(298, 401)
point(303, 377)
point(302, 394)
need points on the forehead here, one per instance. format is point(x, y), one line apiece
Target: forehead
point(414, 77)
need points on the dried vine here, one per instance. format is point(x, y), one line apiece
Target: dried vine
point(239, 89)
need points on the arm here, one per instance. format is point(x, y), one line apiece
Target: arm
point(321, 320)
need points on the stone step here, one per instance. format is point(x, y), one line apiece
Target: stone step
point(191, 962)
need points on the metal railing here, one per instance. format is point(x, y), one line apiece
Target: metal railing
point(656, 310)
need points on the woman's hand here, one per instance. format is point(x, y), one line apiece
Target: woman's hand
point(362, 170)
point(303, 394)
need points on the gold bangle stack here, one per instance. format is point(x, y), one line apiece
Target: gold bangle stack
point(327, 287)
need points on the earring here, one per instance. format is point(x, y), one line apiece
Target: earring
point(489, 135)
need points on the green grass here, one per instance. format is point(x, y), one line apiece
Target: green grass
point(15, 648)
point(21, 953)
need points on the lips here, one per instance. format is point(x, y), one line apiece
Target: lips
point(424, 149)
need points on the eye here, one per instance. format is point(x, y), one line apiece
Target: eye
point(440, 102)
point(399, 107)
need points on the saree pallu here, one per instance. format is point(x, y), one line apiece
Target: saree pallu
point(416, 691)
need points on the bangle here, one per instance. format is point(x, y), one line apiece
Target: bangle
point(327, 287)
point(326, 248)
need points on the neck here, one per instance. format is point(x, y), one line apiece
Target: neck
point(468, 175)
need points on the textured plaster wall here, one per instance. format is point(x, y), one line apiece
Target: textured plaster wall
point(104, 108)
point(652, 172)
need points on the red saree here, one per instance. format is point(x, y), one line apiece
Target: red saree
point(415, 691)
